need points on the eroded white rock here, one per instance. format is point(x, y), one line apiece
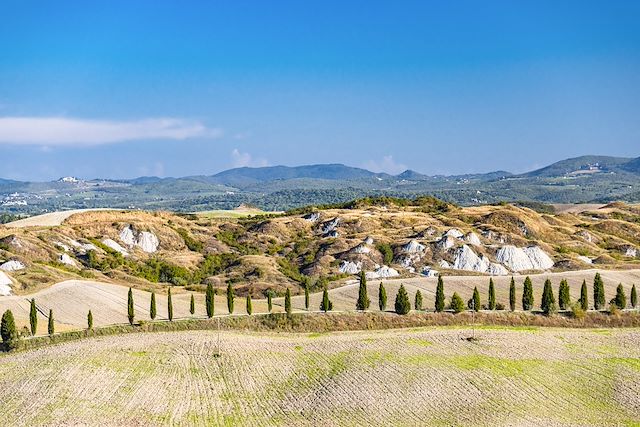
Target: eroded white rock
point(454, 232)
point(5, 284)
point(350, 267)
point(115, 246)
point(145, 240)
point(520, 259)
point(12, 265)
point(472, 238)
point(413, 247)
point(585, 259)
point(67, 260)
point(382, 272)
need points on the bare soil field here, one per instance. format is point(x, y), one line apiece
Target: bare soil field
point(420, 376)
point(52, 219)
point(71, 300)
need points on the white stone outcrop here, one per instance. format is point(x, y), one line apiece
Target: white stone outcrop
point(361, 249)
point(467, 259)
point(12, 265)
point(145, 240)
point(382, 272)
point(585, 259)
point(330, 226)
point(5, 284)
point(429, 272)
point(350, 267)
point(472, 238)
point(496, 269)
point(115, 246)
point(368, 240)
point(445, 243)
point(520, 259)
point(454, 232)
point(444, 264)
point(312, 217)
point(67, 260)
point(413, 247)
point(630, 251)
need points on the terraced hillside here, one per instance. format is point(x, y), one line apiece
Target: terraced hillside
point(399, 377)
point(385, 237)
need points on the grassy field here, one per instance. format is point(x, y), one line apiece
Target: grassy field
point(418, 376)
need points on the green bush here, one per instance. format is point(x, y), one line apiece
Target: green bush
point(363, 299)
point(621, 298)
point(33, 317)
point(230, 297)
point(548, 304)
point(382, 297)
point(287, 301)
point(512, 294)
point(326, 304)
point(209, 300)
point(527, 294)
point(457, 305)
point(440, 295)
point(386, 251)
point(8, 330)
point(598, 292)
point(492, 295)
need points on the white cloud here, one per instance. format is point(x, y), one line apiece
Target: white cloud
point(62, 131)
point(387, 164)
point(240, 159)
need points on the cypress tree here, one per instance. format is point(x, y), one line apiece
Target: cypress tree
point(170, 306)
point(89, 320)
point(152, 309)
point(621, 298)
point(8, 330)
point(474, 302)
point(363, 299)
point(527, 294)
point(598, 292)
point(209, 300)
point(269, 302)
point(382, 297)
point(564, 297)
point(326, 304)
point(584, 296)
point(634, 296)
point(548, 304)
point(440, 295)
point(512, 295)
point(33, 317)
point(192, 305)
point(249, 307)
point(457, 305)
point(306, 295)
point(418, 300)
point(130, 312)
point(51, 325)
point(492, 295)
point(287, 301)
point(230, 297)
point(402, 305)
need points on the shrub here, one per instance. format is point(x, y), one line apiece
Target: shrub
point(457, 305)
point(363, 299)
point(386, 251)
point(613, 309)
point(326, 304)
point(230, 297)
point(527, 294)
point(190, 242)
point(577, 311)
point(402, 305)
point(249, 307)
point(130, 312)
point(492, 295)
point(512, 295)
point(170, 306)
point(564, 298)
point(209, 300)
point(382, 297)
point(192, 305)
point(440, 295)
point(8, 330)
point(33, 317)
point(418, 300)
point(598, 292)
point(153, 312)
point(500, 306)
point(287, 301)
point(51, 326)
point(621, 298)
point(584, 296)
point(89, 320)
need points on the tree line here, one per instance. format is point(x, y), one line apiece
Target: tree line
point(402, 305)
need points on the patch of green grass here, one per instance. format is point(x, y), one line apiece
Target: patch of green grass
point(419, 342)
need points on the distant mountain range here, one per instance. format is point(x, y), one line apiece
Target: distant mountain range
point(577, 180)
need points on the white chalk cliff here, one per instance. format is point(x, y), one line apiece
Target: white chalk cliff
point(520, 259)
point(5, 284)
point(12, 265)
point(115, 246)
point(145, 240)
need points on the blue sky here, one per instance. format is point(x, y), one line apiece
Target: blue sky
point(172, 88)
